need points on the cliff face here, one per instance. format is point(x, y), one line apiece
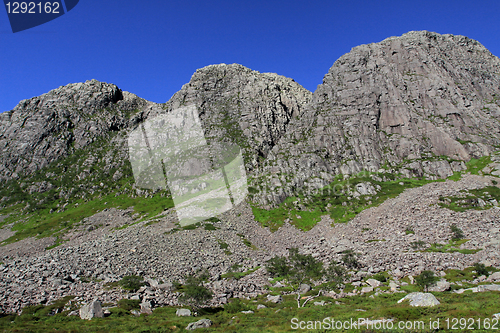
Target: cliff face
point(46, 128)
point(419, 104)
point(401, 103)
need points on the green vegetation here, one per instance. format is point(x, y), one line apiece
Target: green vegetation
point(273, 318)
point(238, 275)
point(304, 210)
point(458, 234)
point(131, 283)
point(247, 242)
point(474, 166)
point(409, 231)
point(426, 279)
point(194, 294)
point(481, 269)
point(479, 199)
point(297, 269)
point(417, 245)
point(350, 259)
point(80, 185)
point(452, 246)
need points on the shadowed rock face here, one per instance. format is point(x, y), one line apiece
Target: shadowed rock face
point(43, 129)
point(399, 103)
point(404, 99)
point(246, 107)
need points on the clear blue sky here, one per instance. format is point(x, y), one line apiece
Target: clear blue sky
point(151, 48)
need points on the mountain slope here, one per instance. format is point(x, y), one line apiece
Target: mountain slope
point(401, 104)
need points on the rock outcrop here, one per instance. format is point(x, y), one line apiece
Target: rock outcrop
point(400, 104)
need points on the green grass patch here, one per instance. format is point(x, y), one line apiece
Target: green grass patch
point(274, 318)
point(333, 200)
point(452, 246)
point(472, 199)
point(238, 275)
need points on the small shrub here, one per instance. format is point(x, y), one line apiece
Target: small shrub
point(336, 275)
point(426, 279)
point(481, 269)
point(129, 304)
point(417, 245)
point(457, 232)
point(409, 231)
point(235, 306)
point(350, 259)
point(380, 277)
point(132, 282)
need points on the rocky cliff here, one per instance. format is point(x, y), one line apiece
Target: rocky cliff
point(418, 104)
point(415, 105)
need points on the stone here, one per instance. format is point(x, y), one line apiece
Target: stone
point(304, 288)
point(421, 299)
point(147, 307)
point(261, 306)
point(494, 277)
point(183, 312)
point(441, 285)
point(374, 283)
point(322, 303)
point(275, 299)
point(247, 311)
point(91, 310)
point(366, 289)
point(202, 323)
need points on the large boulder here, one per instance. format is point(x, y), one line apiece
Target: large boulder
point(441, 285)
point(202, 323)
point(183, 312)
point(374, 283)
point(275, 299)
point(420, 299)
point(91, 310)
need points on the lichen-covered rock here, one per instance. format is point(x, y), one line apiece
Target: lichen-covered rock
point(202, 323)
point(91, 310)
point(420, 299)
point(403, 101)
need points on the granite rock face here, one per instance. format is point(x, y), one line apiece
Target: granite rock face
point(43, 129)
point(403, 101)
point(420, 105)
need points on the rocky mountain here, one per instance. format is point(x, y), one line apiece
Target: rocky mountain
point(407, 111)
point(418, 104)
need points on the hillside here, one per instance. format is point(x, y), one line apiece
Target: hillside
point(396, 145)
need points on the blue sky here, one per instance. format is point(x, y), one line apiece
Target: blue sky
point(151, 48)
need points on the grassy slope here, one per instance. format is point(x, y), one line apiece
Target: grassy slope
point(274, 318)
point(342, 207)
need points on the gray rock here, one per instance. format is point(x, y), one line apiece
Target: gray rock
point(202, 323)
point(494, 277)
point(441, 285)
point(261, 306)
point(374, 283)
point(304, 288)
point(91, 310)
point(421, 299)
point(366, 289)
point(247, 312)
point(183, 312)
point(275, 299)
point(322, 303)
point(146, 307)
